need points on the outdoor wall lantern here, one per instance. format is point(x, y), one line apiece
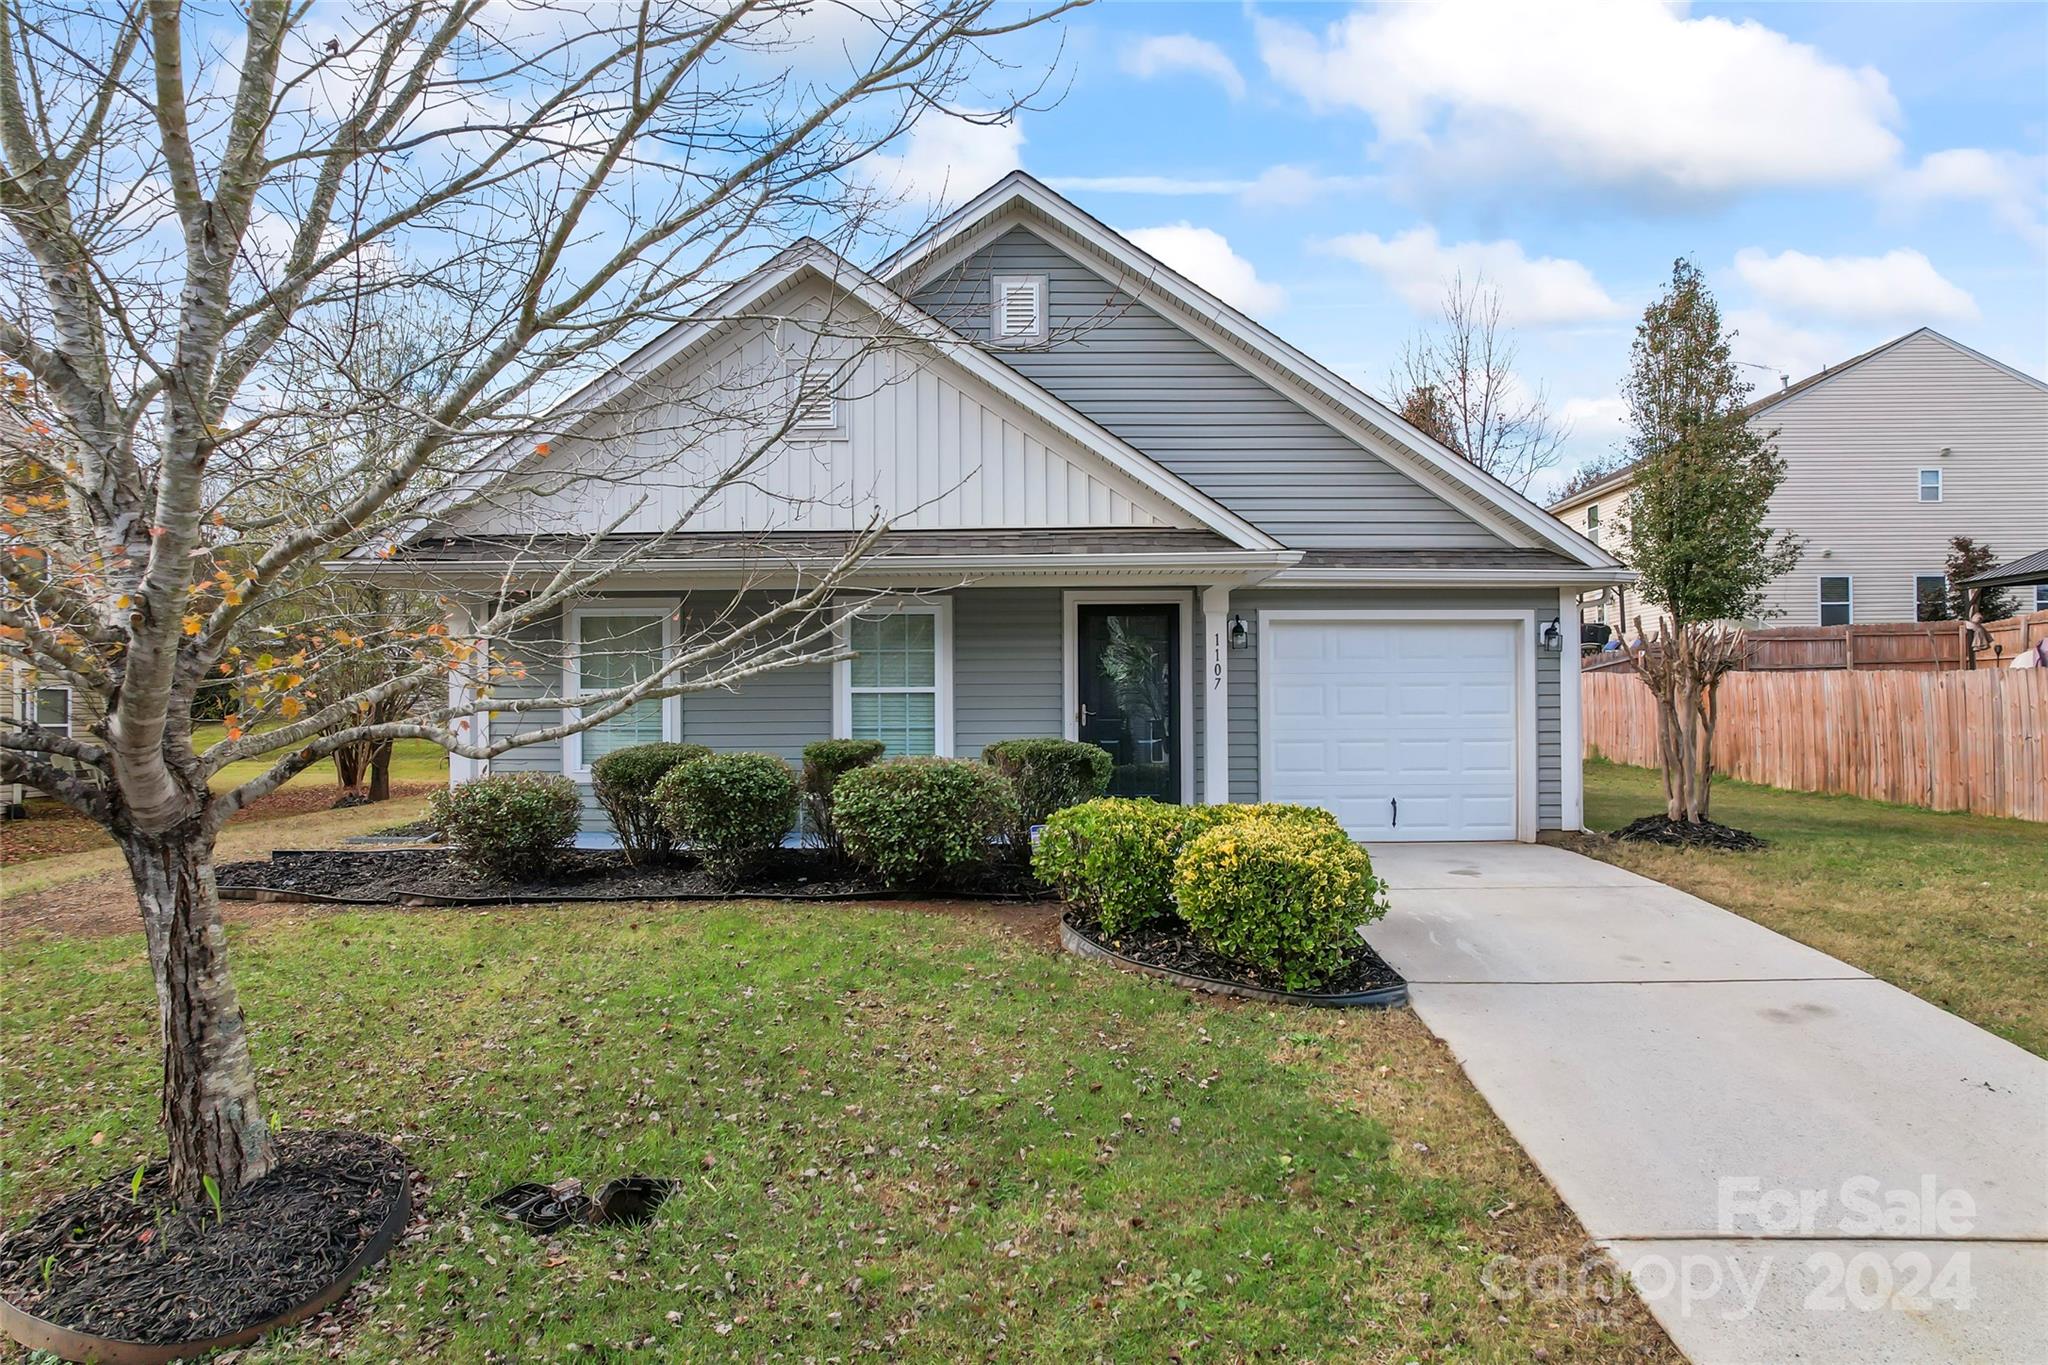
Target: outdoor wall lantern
point(1240, 633)
point(1551, 635)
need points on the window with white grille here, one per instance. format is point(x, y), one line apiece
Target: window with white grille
point(1020, 309)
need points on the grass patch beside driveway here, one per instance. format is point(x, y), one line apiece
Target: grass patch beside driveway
point(1951, 907)
point(904, 1135)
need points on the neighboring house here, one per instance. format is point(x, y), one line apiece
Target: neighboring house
point(1121, 512)
point(28, 698)
point(1888, 457)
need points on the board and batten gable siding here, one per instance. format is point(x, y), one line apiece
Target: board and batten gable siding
point(1853, 447)
point(1244, 675)
point(1198, 412)
point(916, 439)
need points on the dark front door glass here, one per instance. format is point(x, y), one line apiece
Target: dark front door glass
point(1129, 684)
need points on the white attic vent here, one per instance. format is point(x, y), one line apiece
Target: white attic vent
point(816, 408)
point(1020, 308)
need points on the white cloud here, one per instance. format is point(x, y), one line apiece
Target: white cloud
point(1145, 184)
point(1633, 95)
point(2013, 187)
point(946, 159)
point(1533, 292)
point(1204, 256)
point(1594, 417)
point(1900, 285)
point(1166, 53)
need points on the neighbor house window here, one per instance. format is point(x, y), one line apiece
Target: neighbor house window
point(1930, 597)
point(897, 687)
point(610, 648)
point(1930, 485)
point(1837, 607)
point(1020, 306)
point(1593, 523)
point(51, 708)
point(2041, 597)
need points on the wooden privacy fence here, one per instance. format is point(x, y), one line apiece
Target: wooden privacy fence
point(1925, 646)
point(1949, 741)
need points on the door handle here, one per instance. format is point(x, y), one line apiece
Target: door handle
point(1082, 714)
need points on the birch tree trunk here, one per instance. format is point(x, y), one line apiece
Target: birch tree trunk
point(211, 1116)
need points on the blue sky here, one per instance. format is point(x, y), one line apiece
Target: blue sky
point(1844, 173)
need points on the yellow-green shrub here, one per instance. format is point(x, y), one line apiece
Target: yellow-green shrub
point(1279, 890)
point(1114, 857)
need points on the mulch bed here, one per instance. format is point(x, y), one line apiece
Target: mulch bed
point(1662, 829)
point(138, 1268)
point(432, 874)
point(1167, 946)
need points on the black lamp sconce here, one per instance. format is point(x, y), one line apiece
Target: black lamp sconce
point(1551, 635)
point(1240, 633)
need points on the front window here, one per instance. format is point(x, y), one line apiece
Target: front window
point(1930, 597)
point(1837, 606)
point(893, 684)
point(615, 649)
point(1593, 523)
point(1930, 485)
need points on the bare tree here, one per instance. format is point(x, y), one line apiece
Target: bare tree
point(211, 209)
point(1459, 385)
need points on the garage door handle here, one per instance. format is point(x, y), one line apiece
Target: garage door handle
point(1397, 811)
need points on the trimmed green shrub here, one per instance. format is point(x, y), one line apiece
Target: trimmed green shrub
point(731, 808)
point(825, 762)
point(1048, 775)
point(1278, 891)
point(919, 822)
point(509, 827)
point(624, 782)
point(1115, 857)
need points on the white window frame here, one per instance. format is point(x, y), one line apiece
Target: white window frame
point(1527, 756)
point(29, 707)
point(572, 672)
point(1593, 523)
point(1070, 725)
point(2041, 597)
point(1919, 578)
point(1821, 603)
point(1042, 285)
point(1920, 485)
point(940, 609)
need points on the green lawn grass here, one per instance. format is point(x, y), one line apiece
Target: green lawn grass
point(902, 1136)
point(412, 760)
point(1951, 907)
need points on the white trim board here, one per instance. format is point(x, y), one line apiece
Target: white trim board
point(1524, 621)
point(1571, 756)
point(1070, 665)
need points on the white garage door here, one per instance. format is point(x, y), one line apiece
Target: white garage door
point(1402, 729)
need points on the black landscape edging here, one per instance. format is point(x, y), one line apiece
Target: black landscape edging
point(1378, 998)
point(67, 1343)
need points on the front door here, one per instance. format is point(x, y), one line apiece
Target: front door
point(1127, 679)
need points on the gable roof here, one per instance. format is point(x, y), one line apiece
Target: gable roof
point(1622, 476)
point(1321, 390)
point(2029, 569)
point(813, 260)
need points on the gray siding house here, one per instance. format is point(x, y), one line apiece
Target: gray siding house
point(1117, 510)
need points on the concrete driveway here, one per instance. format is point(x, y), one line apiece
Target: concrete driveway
point(1793, 1160)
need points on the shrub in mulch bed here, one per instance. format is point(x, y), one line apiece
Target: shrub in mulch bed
point(577, 874)
point(1662, 829)
point(1168, 946)
point(115, 1261)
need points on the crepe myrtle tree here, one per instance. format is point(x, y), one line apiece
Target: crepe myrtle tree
point(1697, 523)
point(216, 213)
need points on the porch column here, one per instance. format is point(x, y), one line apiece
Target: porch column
point(1216, 693)
point(464, 718)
